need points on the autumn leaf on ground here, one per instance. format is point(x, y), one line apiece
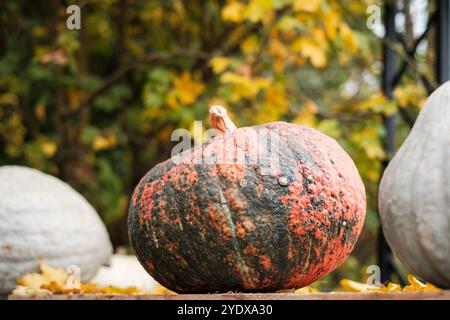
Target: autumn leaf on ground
point(117, 290)
point(25, 291)
point(391, 287)
point(307, 289)
point(354, 286)
point(52, 280)
point(159, 289)
point(416, 285)
point(32, 281)
point(303, 290)
point(50, 274)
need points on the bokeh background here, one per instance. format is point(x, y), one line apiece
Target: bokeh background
point(97, 106)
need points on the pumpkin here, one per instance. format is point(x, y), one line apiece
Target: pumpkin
point(42, 217)
point(288, 214)
point(414, 193)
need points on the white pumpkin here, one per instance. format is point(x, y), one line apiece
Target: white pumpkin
point(43, 217)
point(414, 195)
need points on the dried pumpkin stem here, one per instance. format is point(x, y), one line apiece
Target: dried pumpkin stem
point(219, 119)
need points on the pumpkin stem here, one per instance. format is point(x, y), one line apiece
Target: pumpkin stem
point(219, 119)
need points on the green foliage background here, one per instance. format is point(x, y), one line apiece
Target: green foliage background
point(96, 106)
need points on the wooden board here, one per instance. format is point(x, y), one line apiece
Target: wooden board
point(441, 295)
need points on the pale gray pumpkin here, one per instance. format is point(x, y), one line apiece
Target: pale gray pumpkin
point(414, 195)
point(43, 217)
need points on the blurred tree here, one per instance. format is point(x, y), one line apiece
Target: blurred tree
point(97, 106)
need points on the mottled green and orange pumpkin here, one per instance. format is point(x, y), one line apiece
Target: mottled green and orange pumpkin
point(286, 216)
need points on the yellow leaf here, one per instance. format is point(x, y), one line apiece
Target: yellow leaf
point(40, 110)
point(219, 64)
point(410, 95)
point(25, 291)
point(307, 115)
point(32, 280)
point(354, 286)
point(57, 281)
point(306, 290)
point(257, 9)
point(307, 5)
point(416, 285)
point(47, 147)
point(368, 139)
point(310, 49)
point(330, 127)
point(332, 21)
point(233, 11)
point(378, 103)
point(57, 275)
point(116, 290)
point(287, 23)
point(186, 89)
point(280, 53)
point(391, 287)
point(172, 100)
point(100, 143)
point(159, 289)
point(275, 97)
point(250, 44)
point(244, 86)
point(8, 98)
point(320, 37)
point(348, 37)
point(92, 288)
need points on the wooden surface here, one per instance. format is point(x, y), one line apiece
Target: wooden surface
point(441, 295)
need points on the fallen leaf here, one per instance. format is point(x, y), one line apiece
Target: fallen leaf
point(354, 286)
point(26, 291)
point(159, 289)
point(56, 275)
point(416, 285)
point(306, 289)
point(57, 281)
point(32, 280)
point(391, 287)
